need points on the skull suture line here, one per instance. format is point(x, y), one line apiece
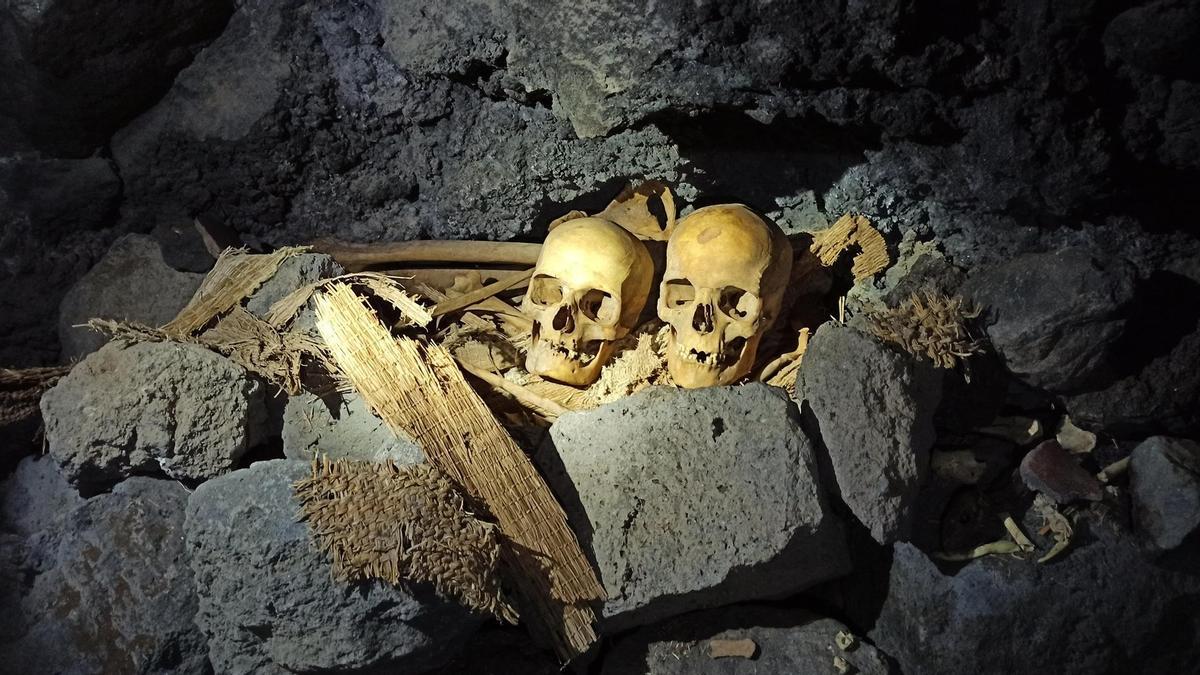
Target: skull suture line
point(590, 283)
point(723, 287)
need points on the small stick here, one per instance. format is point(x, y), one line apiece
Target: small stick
point(539, 404)
point(355, 257)
point(480, 294)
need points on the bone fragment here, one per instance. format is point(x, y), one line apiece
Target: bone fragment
point(355, 257)
point(744, 648)
point(473, 297)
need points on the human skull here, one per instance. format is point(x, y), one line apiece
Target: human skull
point(591, 281)
point(723, 287)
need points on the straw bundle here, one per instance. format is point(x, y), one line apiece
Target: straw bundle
point(419, 390)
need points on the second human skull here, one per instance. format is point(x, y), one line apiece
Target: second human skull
point(590, 283)
point(727, 269)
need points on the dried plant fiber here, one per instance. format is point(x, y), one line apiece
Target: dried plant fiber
point(419, 390)
point(381, 521)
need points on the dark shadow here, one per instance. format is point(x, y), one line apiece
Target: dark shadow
point(732, 157)
point(1165, 309)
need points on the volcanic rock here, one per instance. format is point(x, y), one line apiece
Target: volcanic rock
point(875, 410)
point(689, 499)
point(152, 408)
point(1052, 471)
point(69, 100)
point(341, 427)
point(1054, 317)
point(785, 641)
point(1001, 614)
point(1164, 475)
point(269, 602)
point(295, 272)
point(131, 282)
point(108, 585)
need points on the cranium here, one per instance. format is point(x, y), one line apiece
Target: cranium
point(723, 287)
point(590, 283)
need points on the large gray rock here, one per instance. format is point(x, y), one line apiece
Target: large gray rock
point(341, 426)
point(36, 496)
point(1164, 475)
point(269, 602)
point(875, 409)
point(152, 408)
point(131, 282)
point(689, 499)
point(1054, 317)
point(108, 585)
point(1099, 608)
point(786, 641)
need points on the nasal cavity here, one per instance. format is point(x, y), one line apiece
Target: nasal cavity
point(702, 319)
point(564, 321)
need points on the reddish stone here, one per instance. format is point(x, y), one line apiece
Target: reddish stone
point(1054, 472)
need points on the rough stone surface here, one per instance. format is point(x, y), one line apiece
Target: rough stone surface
point(69, 100)
point(694, 498)
point(341, 427)
point(1055, 317)
point(296, 271)
point(787, 642)
point(1100, 608)
point(105, 583)
point(35, 496)
point(1051, 470)
point(269, 602)
point(1164, 475)
point(152, 408)
point(875, 410)
point(131, 282)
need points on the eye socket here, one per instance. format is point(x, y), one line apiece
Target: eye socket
point(600, 307)
point(678, 293)
point(738, 303)
point(545, 290)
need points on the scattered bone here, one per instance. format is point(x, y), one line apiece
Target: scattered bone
point(929, 325)
point(419, 390)
point(829, 244)
point(1017, 535)
point(216, 237)
point(1000, 547)
point(744, 648)
point(845, 641)
point(481, 294)
point(1055, 524)
point(1019, 430)
point(357, 257)
point(547, 408)
point(631, 210)
point(782, 371)
point(1113, 470)
point(381, 521)
point(841, 666)
point(1073, 439)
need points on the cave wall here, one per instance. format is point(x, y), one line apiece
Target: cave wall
point(997, 128)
